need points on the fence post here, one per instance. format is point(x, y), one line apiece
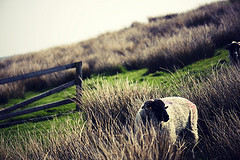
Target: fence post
point(78, 83)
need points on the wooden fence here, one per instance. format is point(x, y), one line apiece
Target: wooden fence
point(8, 112)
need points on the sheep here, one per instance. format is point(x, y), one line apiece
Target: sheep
point(174, 115)
point(234, 53)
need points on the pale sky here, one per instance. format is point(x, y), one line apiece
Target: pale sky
point(33, 25)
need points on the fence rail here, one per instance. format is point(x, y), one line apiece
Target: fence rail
point(35, 109)
point(6, 113)
point(38, 73)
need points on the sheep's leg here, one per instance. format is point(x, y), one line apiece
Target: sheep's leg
point(194, 129)
point(195, 136)
point(172, 134)
point(193, 117)
point(194, 132)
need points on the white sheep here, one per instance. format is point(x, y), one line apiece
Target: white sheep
point(175, 115)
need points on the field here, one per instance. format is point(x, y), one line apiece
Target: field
point(113, 102)
point(178, 56)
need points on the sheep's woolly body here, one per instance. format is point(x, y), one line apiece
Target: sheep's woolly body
point(182, 117)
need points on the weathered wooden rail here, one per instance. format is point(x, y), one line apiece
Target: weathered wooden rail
point(8, 112)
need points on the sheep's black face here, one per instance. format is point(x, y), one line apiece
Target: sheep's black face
point(233, 49)
point(156, 108)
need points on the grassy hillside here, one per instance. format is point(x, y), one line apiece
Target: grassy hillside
point(164, 78)
point(105, 129)
point(168, 42)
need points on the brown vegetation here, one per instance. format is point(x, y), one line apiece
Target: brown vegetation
point(108, 132)
point(218, 100)
point(167, 42)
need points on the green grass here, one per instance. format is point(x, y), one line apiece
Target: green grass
point(37, 127)
point(164, 78)
point(202, 67)
point(67, 93)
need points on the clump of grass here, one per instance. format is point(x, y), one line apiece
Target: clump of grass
point(108, 133)
point(217, 97)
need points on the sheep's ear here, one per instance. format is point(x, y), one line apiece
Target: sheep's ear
point(159, 102)
point(166, 107)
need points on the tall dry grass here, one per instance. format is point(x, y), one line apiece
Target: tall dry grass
point(218, 98)
point(164, 43)
point(105, 130)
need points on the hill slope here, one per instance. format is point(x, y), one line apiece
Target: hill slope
point(166, 42)
point(110, 103)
